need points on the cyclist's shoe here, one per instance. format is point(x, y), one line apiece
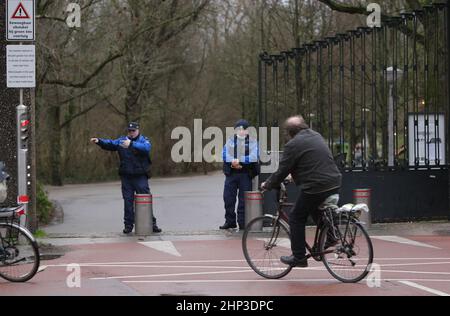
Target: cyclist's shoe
point(294, 261)
point(156, 229)
point(2, 253)
point(227, 226)
point(242, 227)
point(128, 230)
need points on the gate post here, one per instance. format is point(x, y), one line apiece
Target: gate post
point(448, 94)
point(364, 196)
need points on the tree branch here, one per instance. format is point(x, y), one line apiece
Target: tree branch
point(350, 9)
point(86, 81)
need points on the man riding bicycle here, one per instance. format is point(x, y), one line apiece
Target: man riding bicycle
point(310, 162)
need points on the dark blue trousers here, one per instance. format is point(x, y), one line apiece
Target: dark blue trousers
point(236, 185)
point(132, 185)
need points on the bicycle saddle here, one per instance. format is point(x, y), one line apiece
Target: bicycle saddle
point(331, 202)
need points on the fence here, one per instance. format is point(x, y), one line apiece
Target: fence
point(380, 96)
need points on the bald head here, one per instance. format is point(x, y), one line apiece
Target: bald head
point(295, 124)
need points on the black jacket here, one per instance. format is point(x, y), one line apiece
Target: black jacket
point(310, 161)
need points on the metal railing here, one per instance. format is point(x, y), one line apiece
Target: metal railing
point(379, 96)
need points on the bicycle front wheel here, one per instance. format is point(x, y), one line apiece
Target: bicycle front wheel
point(19, 254)
point(264, 241)
point(349, 258)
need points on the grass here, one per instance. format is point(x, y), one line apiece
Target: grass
point(40, 234)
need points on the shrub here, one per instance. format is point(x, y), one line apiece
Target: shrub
point(44, 208)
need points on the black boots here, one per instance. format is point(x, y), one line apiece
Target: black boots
point(295, 262)
point(128, 230)
point(228, 226)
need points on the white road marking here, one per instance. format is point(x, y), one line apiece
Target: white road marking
point(415, 272)
point(401, 240)
point(217, 261)
point(424, 288)
point(171, 275)
point(188, 274)
point(273, 281)
point(414, 264)
point(163, 246)
point(282, 242)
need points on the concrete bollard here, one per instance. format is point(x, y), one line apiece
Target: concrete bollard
point(143, 209)
point(363, 196)
point(253, 207)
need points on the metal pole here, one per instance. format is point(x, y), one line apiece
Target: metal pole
point(260, 90)
point(448, 82)
point(22, 155)
point(391, 126)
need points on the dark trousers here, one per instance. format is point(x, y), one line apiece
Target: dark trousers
point(236, 185)
point(307, 204)
point(132, 185)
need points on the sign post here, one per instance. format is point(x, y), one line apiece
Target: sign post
point(21, 74)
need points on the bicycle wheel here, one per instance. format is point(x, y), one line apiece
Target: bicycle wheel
point(350, 258)
point(264, 241)
point(19, 254)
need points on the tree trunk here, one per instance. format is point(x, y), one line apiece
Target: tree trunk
point(55, 146)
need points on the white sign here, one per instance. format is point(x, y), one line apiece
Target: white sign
point(21, 66)
point(20, 20)
point(427, 143)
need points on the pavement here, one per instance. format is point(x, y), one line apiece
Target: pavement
point(213, 266)
point(87, 254)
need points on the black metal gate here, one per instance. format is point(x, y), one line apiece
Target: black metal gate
point(380, 97)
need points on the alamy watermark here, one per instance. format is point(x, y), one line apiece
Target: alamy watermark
point(73, 19)
point(374, 18)
point(374, 277)
point(207, 145)
point(73, 280)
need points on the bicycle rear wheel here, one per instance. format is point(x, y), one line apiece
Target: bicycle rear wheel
point(19, 254)
point(349, 260)
point(264, 241)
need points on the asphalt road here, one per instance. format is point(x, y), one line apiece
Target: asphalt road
point(180, 204)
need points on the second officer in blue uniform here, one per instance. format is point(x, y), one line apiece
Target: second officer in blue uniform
point(134, 153)
point(241, 165)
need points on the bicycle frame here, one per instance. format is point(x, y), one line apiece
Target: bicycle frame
point(324, 220)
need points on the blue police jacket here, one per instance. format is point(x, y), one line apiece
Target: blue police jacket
point(249, 159)
point(135, 160)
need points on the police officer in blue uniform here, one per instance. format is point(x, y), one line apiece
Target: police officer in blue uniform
point(134, 153)
point(241, 165)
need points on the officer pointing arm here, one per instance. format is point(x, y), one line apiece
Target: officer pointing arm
point(134, 153)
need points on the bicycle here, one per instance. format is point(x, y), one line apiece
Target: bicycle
point(19, 252)
point(340, 242)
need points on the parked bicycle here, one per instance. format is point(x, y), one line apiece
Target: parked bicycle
point(19, 252)
point(340, 242)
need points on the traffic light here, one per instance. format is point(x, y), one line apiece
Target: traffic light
point(24, 128)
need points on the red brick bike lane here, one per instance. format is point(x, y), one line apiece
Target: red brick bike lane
point(418, 266)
